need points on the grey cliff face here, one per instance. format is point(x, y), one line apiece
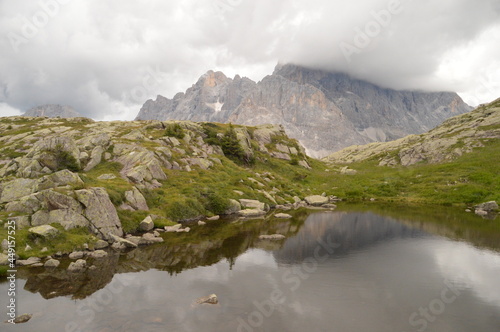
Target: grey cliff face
point(53, 111)
point(324, 111)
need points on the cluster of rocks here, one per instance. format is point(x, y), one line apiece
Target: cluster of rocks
point(488, 209)
point(249, 209)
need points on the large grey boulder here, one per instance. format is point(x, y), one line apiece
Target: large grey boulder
point(251, 213)
point(253, 204)
point(45, 150)
point(233, 208)
point(69, 219)
point(59, 179)
point(16, 189)
point(27, 204)
point(136, 200)
point(100, 212)
point(95, 158)
point(147, 224)
point(45, 231)
point(316, 200)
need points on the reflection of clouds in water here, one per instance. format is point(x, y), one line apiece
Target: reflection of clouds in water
point(255, 257)
point(476, 269)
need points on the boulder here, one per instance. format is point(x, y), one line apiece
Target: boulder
point(78, 266)
point(45, 231)
point(146, 225)
point(16, 189)
point(136, 200)
point(173, 229)
point(488, 206)
point(251, 213)
point(5, 244)
point(27, 204)
point(347, 171)
point(214, 218)
point(234, 207)
point(21, 221)
point(43, 151)
point(121, 241)
point(211, 299)
point(4, 259)
point(101, 244)
point(77, 255)
point(95, 158)
point(282, 216)
point(316, 200)
point(201, 223)
point(59, 179)
point(149, 238)
point(52, 263)
point(272, 237)
point(28, 262)
point(100, 212)
point(253, 204)
point(69, 219)
point(22, 318)
point(98, 254)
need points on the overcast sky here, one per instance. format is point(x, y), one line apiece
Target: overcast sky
point(106, 58)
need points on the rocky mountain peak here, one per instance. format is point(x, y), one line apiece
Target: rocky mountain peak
point(325, 111)
point(52, 111)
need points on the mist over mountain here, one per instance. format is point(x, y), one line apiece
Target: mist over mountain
point(325, 111)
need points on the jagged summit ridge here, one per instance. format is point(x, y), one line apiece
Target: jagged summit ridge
point(325, 111)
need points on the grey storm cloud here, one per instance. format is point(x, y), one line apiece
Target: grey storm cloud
point(105, 58)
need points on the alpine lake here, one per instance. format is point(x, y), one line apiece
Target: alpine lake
point(371, 267)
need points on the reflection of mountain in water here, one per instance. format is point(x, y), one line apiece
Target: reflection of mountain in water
point(341, 233)
point(204, 246)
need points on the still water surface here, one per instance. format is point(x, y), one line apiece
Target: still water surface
point(335, 271)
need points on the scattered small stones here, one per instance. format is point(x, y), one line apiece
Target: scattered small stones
point(28, 262)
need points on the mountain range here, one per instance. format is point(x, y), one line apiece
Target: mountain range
point(325, 111)
point(53, 111)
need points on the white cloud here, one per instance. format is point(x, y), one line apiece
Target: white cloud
point(92, 55)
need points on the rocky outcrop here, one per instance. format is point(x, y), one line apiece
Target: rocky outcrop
point(339, 110)
point(455, 137)
point(136, 200)
point(100, 212)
